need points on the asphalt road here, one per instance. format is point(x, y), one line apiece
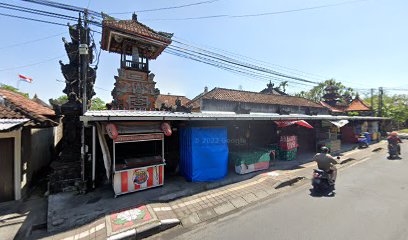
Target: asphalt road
point(371, 202)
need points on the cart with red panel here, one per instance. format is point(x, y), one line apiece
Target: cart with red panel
point(134, 167)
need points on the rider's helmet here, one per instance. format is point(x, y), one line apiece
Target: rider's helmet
point(394, 134)
point(325, 149)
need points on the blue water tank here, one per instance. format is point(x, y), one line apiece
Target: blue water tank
point(203, 153)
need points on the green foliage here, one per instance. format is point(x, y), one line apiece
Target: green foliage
point(59, 101)
point(395, 106)
point(316, 93)
point(282, 86)
point(352, 114)
point(13, 89)
point(97, 104)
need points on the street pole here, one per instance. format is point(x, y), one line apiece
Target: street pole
point(83, 51)
point(372, 100)
point(85, 65)
point(380, 101)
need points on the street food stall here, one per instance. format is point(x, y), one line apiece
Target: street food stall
point(133, 154)
point(329, 135)
point(137, 170)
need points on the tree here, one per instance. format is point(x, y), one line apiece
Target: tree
point(282, 86)
point(97, 104)
point(394, 107)
point(59, 100)
point(316, 93)
point(13, 89)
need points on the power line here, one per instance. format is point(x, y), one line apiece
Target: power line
point(259, 14)
point(32, 41)
point(203, 55)
point(65, 7)
point(32, 19)
point(259, 62)
point(32, 64)
point(35, 11)
point(168, 8)
point(232, 68)
point(94, 86)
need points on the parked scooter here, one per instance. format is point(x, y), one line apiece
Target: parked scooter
point(362, 141)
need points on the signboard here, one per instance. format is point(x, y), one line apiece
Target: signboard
point(138, 137)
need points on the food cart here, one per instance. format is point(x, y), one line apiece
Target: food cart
point(135, 167)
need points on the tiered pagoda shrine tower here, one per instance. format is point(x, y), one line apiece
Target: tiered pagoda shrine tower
point(137, 44)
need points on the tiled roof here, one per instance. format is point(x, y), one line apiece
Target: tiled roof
point(170, 100)
point(358, 105)
point(26, 104)
point(331, 108)
point(26, 107)
point(135, 28)
point(7, 113)
point(223, 94)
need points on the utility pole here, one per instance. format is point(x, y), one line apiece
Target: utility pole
point(380, 101)
point(372, 99)
point(83, 52)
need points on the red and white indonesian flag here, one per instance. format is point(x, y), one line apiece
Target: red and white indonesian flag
point(24, 78)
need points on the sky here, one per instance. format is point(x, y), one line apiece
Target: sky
point(361, 43)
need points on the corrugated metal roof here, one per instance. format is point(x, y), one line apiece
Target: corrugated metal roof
point(131, 115)
point(6, 124)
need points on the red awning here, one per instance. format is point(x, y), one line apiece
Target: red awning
point(302, 123)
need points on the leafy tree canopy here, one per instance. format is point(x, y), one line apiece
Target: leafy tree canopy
point(97, 104)
point(59, 100)
point(394, 106)
point(316, 93)
point(13, 89)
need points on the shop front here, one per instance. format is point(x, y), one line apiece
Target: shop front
point(135, 148)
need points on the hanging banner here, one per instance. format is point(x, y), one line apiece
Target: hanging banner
point(303, 123)
point(340, 123)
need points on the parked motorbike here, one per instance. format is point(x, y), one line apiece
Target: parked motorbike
point(393, 151)
point(362, 142)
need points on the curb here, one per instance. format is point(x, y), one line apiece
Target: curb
point(147, 230)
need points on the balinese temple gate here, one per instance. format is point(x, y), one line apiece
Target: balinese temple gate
point(134, 152)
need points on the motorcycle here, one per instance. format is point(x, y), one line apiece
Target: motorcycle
point(393, 151)
point(362, 142)
point(320, 181)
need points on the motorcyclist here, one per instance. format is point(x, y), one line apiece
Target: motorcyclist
point(326, 162)
point(393, 139)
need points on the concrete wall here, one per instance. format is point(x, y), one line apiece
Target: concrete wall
point(37, 148)
point(226, 106)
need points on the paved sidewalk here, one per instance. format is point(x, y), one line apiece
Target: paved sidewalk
point(145, 220)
